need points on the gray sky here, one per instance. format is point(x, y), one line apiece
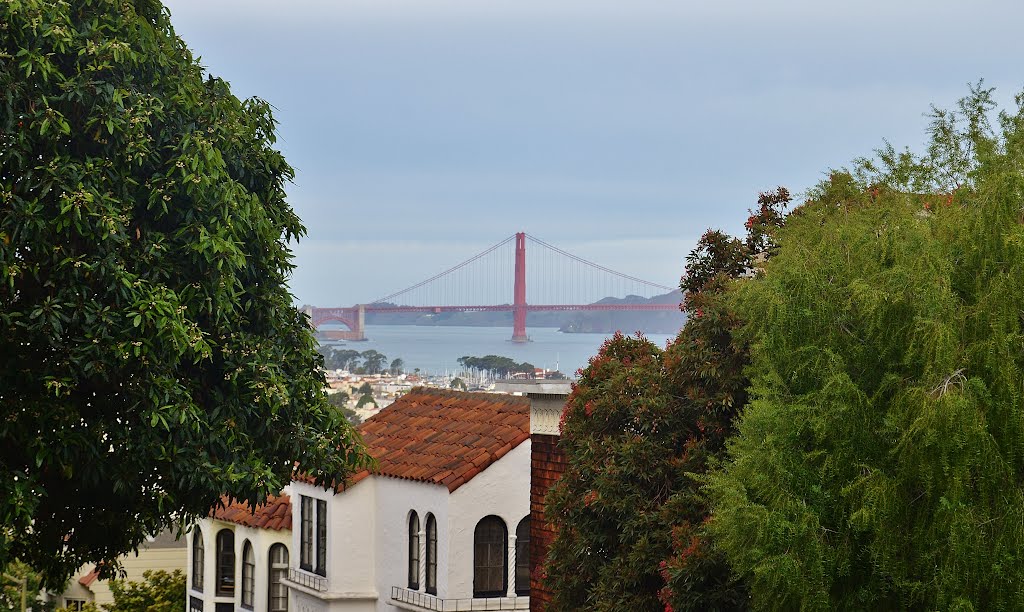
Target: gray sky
point(424, 131)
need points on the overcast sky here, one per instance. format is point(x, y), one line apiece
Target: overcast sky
point(424, 131)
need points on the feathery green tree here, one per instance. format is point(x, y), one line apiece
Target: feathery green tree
point(151, 359)
point(639, 423)
point(878, 465)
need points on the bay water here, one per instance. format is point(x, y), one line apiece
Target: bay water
point(436, 349)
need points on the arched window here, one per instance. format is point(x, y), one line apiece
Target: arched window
point(248, 575)
point(414, 551)
point(523, 557)
point(431, 555)
point(225, 563)
point(277, 591)
point(490, 563)
point(198, 558)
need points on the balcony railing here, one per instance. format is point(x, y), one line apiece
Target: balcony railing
point(417, 600)
point(310, 581)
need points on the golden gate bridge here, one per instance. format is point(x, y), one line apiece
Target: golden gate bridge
point(559, 281)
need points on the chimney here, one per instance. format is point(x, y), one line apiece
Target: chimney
point(547, 462)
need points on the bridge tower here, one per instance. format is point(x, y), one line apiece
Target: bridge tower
point(519, 292)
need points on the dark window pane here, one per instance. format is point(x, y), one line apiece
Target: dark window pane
point(321, 537)
point(431, 555)
point(306, 533)
point(248, 575)
point(198, 559)
point(225, 562)
point(489, 558)
point(414, 551)
point(278, 592)
point(523, 557)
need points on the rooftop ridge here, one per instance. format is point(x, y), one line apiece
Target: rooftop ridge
point(275, 513)
point(442, 436)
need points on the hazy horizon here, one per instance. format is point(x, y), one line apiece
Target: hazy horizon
point(423, 132)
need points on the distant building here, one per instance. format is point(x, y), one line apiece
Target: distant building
point(161, 552)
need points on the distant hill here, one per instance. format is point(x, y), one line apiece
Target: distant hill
point(667, 322)
point(570, 322)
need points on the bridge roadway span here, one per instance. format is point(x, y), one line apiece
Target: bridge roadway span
point(354, 317)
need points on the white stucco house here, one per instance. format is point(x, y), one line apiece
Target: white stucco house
point(442, 522)
point(238, 559)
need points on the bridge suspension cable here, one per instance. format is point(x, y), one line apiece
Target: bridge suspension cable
point(551, 276)
point(550, 280)
point(598, 266)
point(479, 255)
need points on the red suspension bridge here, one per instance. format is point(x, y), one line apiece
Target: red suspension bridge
point(559, 281)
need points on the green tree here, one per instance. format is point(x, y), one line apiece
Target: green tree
point(151, 359)
point(458, 384)
point(639, 424)
point(879, 464)
point(159, 591)
point(616, 431)
point(365, 389)
point(18, 581)
point(338, 399)
point(339, 359)
point(397, 366)
point(373, 361)
point(364, 400)
point(495, 365)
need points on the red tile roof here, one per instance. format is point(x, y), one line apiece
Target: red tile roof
point(89, 578)
point(444, 437)
point(276, 514)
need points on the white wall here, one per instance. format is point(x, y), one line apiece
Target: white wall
point(368, 533)
point(207, 530)
point(396, 499)
point(261, 540)
point(503, 489)
point(351, 542)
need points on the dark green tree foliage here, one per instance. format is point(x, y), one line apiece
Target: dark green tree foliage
point(373, 361)
point(704, 370)
point(639, 424)
point(496, 365)
point(364, 400)
point(150, 356)
point(339, 359)
point(879, 464)
point(620, 437)
point(338, 399)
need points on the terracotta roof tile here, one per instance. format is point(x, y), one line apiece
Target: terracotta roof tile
point(444, 437)
point(276, 514)
point(89, 578)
